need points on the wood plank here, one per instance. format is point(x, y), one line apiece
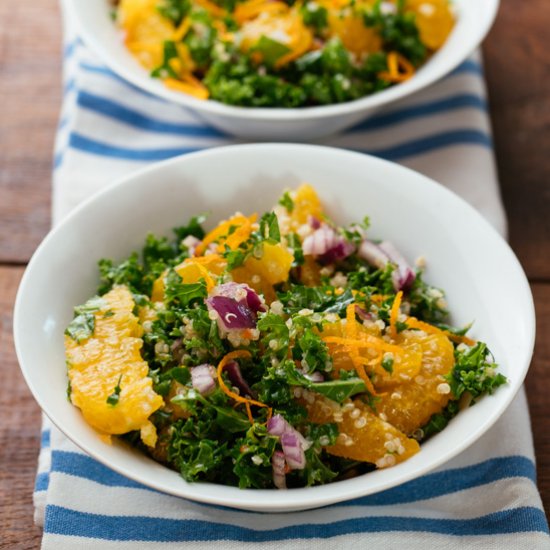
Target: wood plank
point(537, 384)
point(30, 85)
point(517, 66)
point(19, 432)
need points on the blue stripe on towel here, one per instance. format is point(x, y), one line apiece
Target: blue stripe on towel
point(451, 103)
point(119, 112)
point(397, 152)
point(427, 487)
point(88, 145)
point(65, 521)
point(42, 481)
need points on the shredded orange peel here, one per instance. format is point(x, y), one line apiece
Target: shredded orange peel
point(182, 29)
point(399, 68)
point(236, 397)
point(414, 323)
point(212, 8)
point(222, 235)
point(253, 8)
point(394, 313)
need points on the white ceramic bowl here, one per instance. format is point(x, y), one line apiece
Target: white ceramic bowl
point(465, 256)
point(475, 18)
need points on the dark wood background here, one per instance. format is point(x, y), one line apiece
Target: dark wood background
point(518, 74)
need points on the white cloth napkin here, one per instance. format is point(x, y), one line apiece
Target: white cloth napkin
point(484, 498)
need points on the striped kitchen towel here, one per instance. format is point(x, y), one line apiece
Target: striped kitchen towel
point(485, 498)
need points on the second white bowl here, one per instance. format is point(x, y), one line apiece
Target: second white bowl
point(96, 27)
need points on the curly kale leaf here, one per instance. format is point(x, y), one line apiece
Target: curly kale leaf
point(319, 299)
point(474, 372)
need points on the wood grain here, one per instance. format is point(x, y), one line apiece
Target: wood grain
point(30, 84)
point(517, 65)
point(19, 432)
point(538, 383)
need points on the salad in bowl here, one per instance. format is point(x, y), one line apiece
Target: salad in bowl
point(274, 351)
point(266, 53)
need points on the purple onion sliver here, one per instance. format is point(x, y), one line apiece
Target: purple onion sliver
point(278, 463)
point(232, 314)
point(405, 274)
point(234, 373)
point(277, 425)
point(373, 254)
point(202, 379)
point(362, 314)
point(294, 453)
point(314, 222)
point(341, 250)
point(320, 241)
point(253, 300)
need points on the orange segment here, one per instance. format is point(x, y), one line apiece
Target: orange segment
point(435, 20)
point(306, 204)
point(355, 36)
point(261, 274)
point(145, 29)
point(192, 270)
point(363, 436)
point(408, 405)
point(276, 22)
point(111, 357)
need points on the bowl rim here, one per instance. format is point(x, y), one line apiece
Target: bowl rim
point(419, 81)
point(295, 499)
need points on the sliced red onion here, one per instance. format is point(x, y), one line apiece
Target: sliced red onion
point(231, 314)
point(234, 373)
point(327, 245)
point(236, 305)
point(341, 250)
point(191, 242)
point(202, 378)
point(278, 426)
point(362, 314)
point(313, 222)
point(404, 275)
point(254, 301)
point(279, 465)
point(294, 453)
point(373, 254)
point(320, 241)
point(379, 256)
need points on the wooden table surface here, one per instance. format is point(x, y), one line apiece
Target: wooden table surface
point(518, 75)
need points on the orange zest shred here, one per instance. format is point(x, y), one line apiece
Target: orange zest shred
point(365, 342)
point(298, 49)
point(212, 8)
point(236, 397)
point(352, 344)
point(253, 8)
point(351, 334)
point(221, 232)
point(399, 68)
point(182, 29)
point(205, 260)
point(430, 329)
point(394, 313)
